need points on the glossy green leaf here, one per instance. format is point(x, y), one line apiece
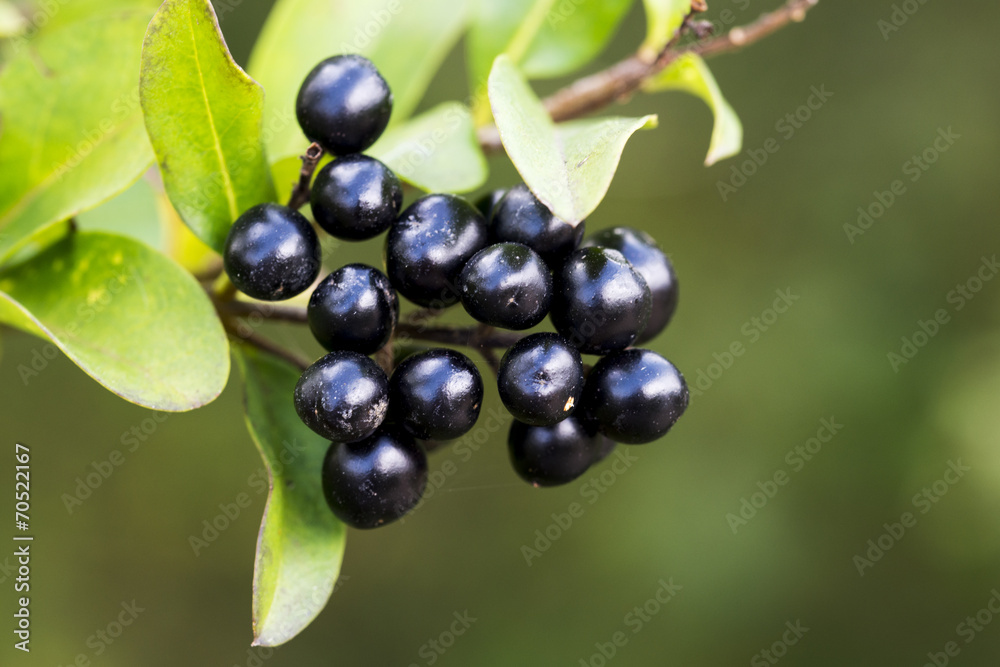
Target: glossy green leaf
point(545, 38)
point(690, 74)
point(72, 128)
point(204, 116)
point(128, 316)
point(663, 18)
point(301, 544)
point(436, 151)
point(406, 39)
point(569, 167)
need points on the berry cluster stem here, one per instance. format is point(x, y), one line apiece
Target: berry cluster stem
point(300, 193)
point(619, 81)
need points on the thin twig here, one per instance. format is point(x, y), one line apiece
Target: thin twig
point(300, 193)
point(266, 310)
point(464, 336)
point(384, 357)
point(268, 346)
point(423, 315)
point(620, 80)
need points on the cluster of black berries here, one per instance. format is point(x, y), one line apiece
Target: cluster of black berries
point(509, 261)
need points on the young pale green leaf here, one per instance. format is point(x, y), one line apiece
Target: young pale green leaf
point(569, 167)
point(545, 38)
point(406, 39)
point(663, 18)
point(690, 74)
point(72, 127)
point(204, 116)
point(301, 544)
point(436, 151)
point(129, 317)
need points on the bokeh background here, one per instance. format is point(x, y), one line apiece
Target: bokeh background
point(665, 517)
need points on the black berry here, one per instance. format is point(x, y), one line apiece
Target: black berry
point(506, 285)
point(635, 396)
point(354, 308)
point(551, 455)
point(272, 253)
point(541, 379)
point(645, 256)
point(430, 244)
point(520, 218)
point(356, 197)
point(344, 104)
point(374, 481)
point(600, 303)
point(344, 396)
point(489, 201)
point(436, 395)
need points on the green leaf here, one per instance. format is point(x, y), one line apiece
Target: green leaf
point(204, 116)
point(546, 38)
point(663, 18)
point(129, 317)
point(406, 39)
point(72, 129)
point(569, 167)
point(690, 74)
point(301, 544)
point(436, 151)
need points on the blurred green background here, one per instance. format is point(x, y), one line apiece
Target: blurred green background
point(794, 561)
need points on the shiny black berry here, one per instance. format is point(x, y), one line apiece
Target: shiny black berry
point(541, 379)
point(506, 285)
point(645, 256)
point(489, 201)
point(356, 197)
point(551, 455)
point(436, 395)
point(600, 302)
point(354, 308)
point(519, 217)
point(427, 248)
point(635, 396)
point(344, 396)
point(374, 481)
point(344, 104)
point(272, 253)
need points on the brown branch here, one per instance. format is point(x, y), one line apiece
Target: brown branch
point(268, 346)
point(621, 80)
point(473, 337)
point(266, 310)
point(300, 193)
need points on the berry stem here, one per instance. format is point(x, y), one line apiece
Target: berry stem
point(619, 81)
point(474, 337)
point(300, 193)
point(265, 345)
